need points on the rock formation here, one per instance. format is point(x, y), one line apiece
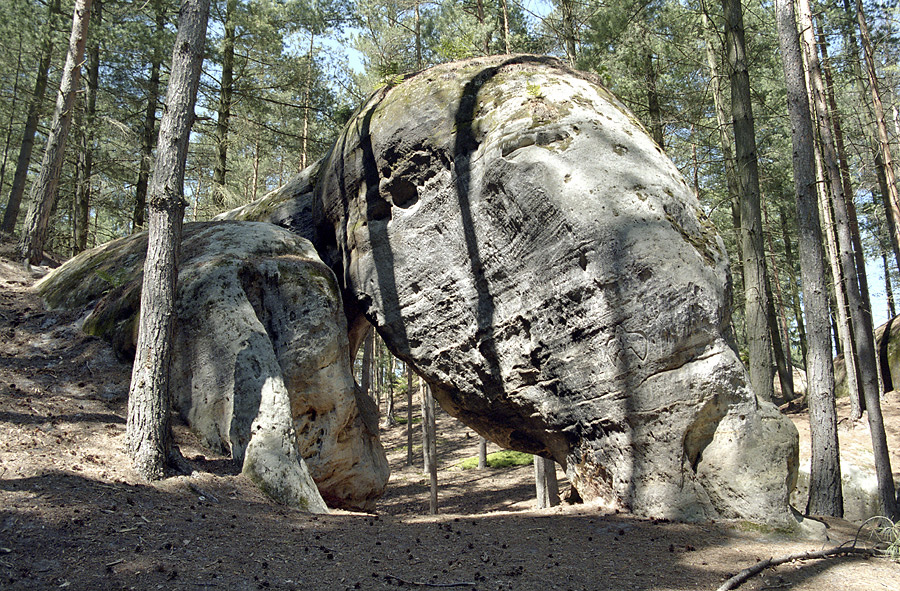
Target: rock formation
point(261, 366)
point(516, 236)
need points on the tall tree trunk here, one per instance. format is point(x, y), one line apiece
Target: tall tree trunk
point(148, 133)
point(225, 94)
point(825, 496)
point(880, 127)
point(795, 296)
point(886, 206)
point(889, 290)
point(409, 416)
point(567, 10)
point(505, 26)
point(725, 143)
point(389, 411)
point(546, 486)
point(149, 437)
point(304, 148)
point(656, 125)
point(368, 346)
point(44, 193)
point(756, 306)
point(86, 154)
point(429, 445)
point(862, 321)
point(482, 452)
point(31, 123)
point(12, 113)
point(781, 338)
point(419, 36)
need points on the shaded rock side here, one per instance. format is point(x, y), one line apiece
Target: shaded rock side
point(261, 365)
point(517, 237)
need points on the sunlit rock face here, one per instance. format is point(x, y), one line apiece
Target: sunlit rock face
point(516, 236)
point(260, 367)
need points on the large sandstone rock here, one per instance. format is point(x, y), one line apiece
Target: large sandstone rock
point(518, 238)
point(261, 367)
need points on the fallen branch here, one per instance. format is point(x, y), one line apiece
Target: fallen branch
point(743, 576)
point(426, 584)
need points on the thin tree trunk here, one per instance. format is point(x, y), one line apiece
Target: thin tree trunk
point(44, 193)
point(825, 496)
point(225, 95)
point(889, 290)
point(778, 327)
point(482, 452)
point(86, 154)
point(656, 126)
point(862, 321)
point(885, 204)
point(148, 132)
point(568, 26)
point(505, 26)
point(368, 346)
point(389, 411)
point(880, 127)
point(409, 416)
point(31, 123)
point(304, 150)
point(12, 113)
point(429, 445)
point(149, 437)
point(756, 306)
point(795, 296)
point(419, 37)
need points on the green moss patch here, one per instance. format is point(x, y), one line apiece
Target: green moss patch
point(499, 459)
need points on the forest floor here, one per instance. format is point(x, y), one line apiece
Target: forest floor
point(74, 515)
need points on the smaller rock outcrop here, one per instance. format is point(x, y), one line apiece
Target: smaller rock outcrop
point(261, 364)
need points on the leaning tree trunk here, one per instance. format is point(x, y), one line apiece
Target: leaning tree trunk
point(880, 126)
point(752, 253)
point(825, 496)
point(86, 154)
point(44, 193)
point(149, 129)
point(31, 124)
point(149, 436)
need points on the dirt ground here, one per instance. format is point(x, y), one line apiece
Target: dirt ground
point(74, 515)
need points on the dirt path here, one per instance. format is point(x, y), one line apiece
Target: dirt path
point(74, 515)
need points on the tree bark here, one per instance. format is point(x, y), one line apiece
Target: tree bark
point(753, 255)
point(880, 126)
point(429, 445)
point(86, 154)
point(653, 108)
point(825, 496)
point(12, 113)
point(225, 95)
point(43, 198)
point(546, 486)
point(482, 452)
point(409, 416)
point(148, 132)
point(568, 31)
point(795, 297)
point(149, 438)
point(31, 123)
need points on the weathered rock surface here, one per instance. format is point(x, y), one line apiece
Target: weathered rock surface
point(518, 238)
point(261, 366)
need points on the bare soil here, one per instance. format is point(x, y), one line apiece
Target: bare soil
point(74, 515)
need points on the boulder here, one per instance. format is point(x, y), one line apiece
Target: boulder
point(517, 237)
point(261, 367)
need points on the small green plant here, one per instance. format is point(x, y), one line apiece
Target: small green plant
point(499, 459)
point(115, 279)
point(883, 533)
point(534, 90)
